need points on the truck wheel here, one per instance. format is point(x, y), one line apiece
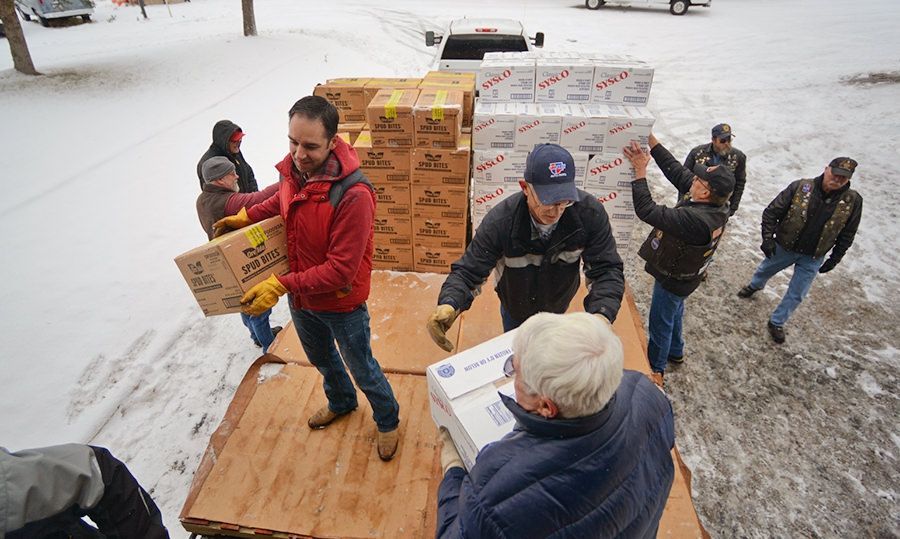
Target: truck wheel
point(679, 7)
point(44, 22)
point(25, 16)
point(86, 18)
point(593, 4)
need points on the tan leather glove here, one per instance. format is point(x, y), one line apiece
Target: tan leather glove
point(449, 455)
point(263, 296)
point(438, 324)
point(232, 222)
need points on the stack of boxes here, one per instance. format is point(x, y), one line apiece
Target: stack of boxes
point(408, 134)
point(591, 104)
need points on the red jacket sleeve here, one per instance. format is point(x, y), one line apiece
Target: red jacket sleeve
point(269, 207)
point(248, 200)
point(351, 230)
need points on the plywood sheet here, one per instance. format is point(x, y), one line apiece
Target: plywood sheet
point(274, 474)
point(482, 322)
point(399, 305)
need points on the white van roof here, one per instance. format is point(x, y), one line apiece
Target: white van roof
point(498, 26)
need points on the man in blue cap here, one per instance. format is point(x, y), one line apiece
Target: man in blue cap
point(719, 151)
point(536, 241)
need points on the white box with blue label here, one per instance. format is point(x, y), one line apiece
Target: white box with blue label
point(463, 390)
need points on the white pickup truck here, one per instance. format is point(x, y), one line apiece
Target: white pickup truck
point(463, 45)
point(676, 7)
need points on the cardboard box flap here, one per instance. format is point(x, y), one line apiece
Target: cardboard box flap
point(468, 369)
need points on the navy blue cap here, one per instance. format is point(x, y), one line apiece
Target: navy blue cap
point(722, 131)
point(550, 170)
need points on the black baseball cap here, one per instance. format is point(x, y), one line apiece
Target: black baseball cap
point(550, 170)
point(719, 178)
point(843, 166)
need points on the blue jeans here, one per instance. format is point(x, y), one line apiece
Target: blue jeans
point(666, 314)
point(260, 330)
point(806, 268)
point(509, 323)
point(318, 332)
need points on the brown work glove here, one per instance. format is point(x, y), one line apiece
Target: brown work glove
point(438, 324)
point(449, 455)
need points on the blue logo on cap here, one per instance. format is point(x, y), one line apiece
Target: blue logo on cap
point(557, 169)
point(446, 370)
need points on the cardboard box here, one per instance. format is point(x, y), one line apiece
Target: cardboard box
point(353, 129)
point(393, 230)
point(390, 118)
point(442, 166)
point(582, 160)
point(374, 85)
point(382, 165)
point(437, 118)
point(607, 174)
point(347, 96)
point(563, 80)
point(621, 83)
point(219, 272)
point(459, 75)
point(537, 124)
point(625, 125)
point(432, 259)
point(464, 395)
point(439, 232)
point(583, 128)
point(440, 201)
point(393, 257)
point(465, 84)
point(506, 79)
point(392, 199)
point(498, 167)
point(486, 196)
point(494, 126)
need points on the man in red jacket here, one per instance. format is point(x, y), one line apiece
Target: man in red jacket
point(328, 207)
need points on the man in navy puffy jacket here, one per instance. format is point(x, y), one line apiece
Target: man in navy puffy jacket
point(590, 455)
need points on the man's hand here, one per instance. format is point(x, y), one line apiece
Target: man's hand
point(438, 324)
point(449, 455)
point(768, 247)
point(263, 296)
point(639, 159)
point(828, 265)
point(232, 222)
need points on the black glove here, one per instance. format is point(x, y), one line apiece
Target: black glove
point(828, 265)
point(768, 247)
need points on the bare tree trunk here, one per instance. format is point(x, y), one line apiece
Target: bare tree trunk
point(249, 18)
point(16, 38)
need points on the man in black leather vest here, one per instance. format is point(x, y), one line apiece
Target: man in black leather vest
point(681, 243)
point(805, 221)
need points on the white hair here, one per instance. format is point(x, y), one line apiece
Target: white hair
point(573, 359)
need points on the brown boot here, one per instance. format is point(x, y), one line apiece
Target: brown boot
point(323, 417)
point(656, 378)
point(387, 443)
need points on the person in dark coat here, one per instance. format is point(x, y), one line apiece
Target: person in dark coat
point(589, 456)
point(719, 151)
point(799, 227)
point(45, 492)
point(536, 242)
point(226, 142)
point(679, 248)
point(220, 199)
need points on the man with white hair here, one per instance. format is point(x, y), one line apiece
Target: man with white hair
point(590, 455)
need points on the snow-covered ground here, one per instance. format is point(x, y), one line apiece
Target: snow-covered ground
point(101, 342)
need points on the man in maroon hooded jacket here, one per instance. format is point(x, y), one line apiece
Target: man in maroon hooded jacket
point(328, 207)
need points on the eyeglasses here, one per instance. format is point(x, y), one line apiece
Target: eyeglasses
point(725, 140)
point(561, 205)
point(509, 369)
